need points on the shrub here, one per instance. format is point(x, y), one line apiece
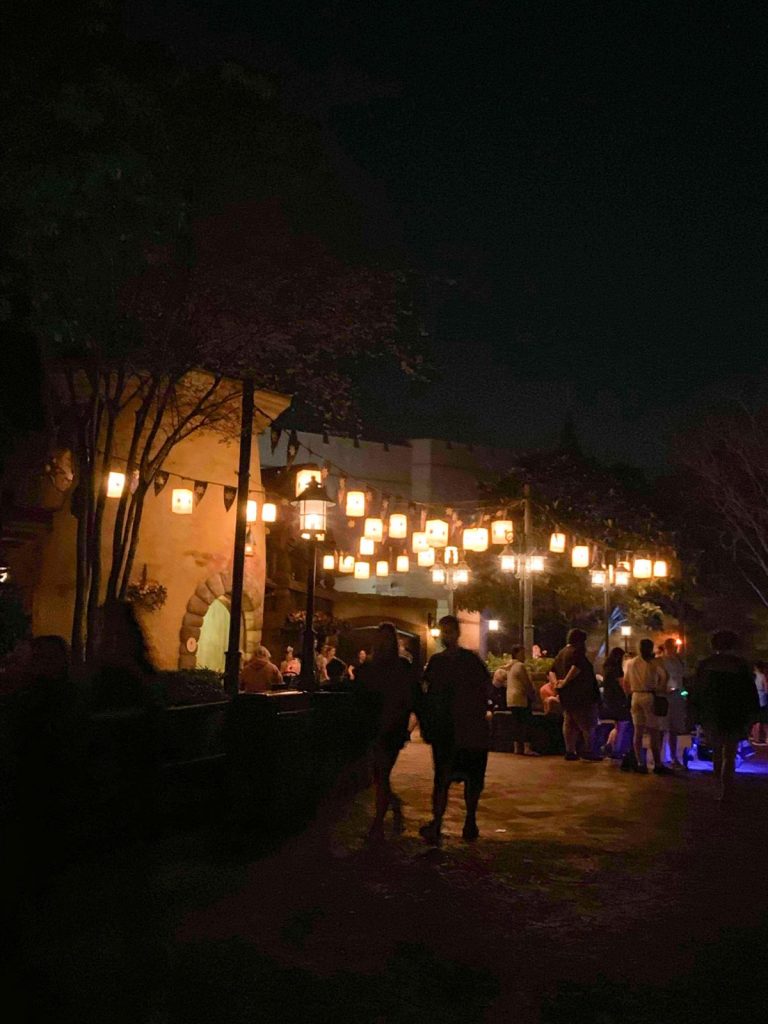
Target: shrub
point(190, 686)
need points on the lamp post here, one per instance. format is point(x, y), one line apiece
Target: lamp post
point(313, 504)
point(451, 577)
point(232, 657)
point(607, 577)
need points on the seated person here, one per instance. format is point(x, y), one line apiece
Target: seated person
point(336, 670)
point(259, 674)
point(549, 698)
point(497, 691)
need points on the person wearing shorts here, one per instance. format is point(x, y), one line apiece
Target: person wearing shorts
point(575, 684)
point(645, 677)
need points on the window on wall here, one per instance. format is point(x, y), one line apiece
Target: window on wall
point(214, 636)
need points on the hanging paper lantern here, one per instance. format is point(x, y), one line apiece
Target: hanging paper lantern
point(536, 563)
point(269, 512)
point(642, 568)
point(557, 543)
point(304, 478)
point(347, 563)
point(451, 555)
point(398, 526)
point(438, 574)
point(502, 531)
point(362, 570)
point(402, 563)
point(426, 558)
point(580, 556)
point(481, 539)
point(365, 546)
point(598, 577)
point(508, 560)
point(382, 568)
point(355, 504)
point(329, 562)
point(660, 569)
point(493, 625)
point(251, 511)
point(373, 528)
point(468, 539)
point(437, 532)
point(115, 484)
point(419, 541)
point(182, 501)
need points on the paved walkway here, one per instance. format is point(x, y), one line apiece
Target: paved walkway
point(591, 896)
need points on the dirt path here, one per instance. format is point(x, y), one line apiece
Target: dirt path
point(591, 896)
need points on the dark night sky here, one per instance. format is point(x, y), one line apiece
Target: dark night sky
point(596, 170)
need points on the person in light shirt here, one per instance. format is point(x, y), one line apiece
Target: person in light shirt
point(674, 723)
point(520, 696)
point(645, 678)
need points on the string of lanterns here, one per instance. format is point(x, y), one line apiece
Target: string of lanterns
point(439, 544)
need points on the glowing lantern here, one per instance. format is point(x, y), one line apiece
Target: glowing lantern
point(598, 577)
point(251, 511)
point(502, 532)
point(438, 574)
point(642, 568)
point(248, 542)
point(304, 478)
point(660, 570)
point(313, 505)
point(115, 484)
point(536, 563)
point(434, 632)
point(269, 512)
point(451, 555)
point(621, 575)
point(366, 546)
point(493, 625)
point(437, 532)
point(355, 504)
point(419, 542)
point(402, 563)
point(461, 574)
point(426, 558)
point(373, 528)
point(475, 539)
point(347, 563)
point(362, 570)
point(508, 560)
point(382, 568)
point(329, 562)
point(398, 526)
point(182, 501)
point(580, 556)
point(557, 543)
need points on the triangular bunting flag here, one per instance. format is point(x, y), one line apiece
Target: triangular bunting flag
point(274, 438)
point(292, 450)
point(230, 493)
point(201, 486)
point(161, 479)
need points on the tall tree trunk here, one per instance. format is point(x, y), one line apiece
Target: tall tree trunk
point(138, 510)
point(94, 556)
point(81, 568)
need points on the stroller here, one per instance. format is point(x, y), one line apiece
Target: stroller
point(701, 748)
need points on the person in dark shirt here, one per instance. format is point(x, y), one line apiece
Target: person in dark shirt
point(390, 683)
point(336, 670)
point(579, 694)
point(725, 703)
point(453, 721)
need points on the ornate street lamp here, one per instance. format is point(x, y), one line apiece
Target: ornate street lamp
point(313, 504)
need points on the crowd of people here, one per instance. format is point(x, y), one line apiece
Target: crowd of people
point(647, 702)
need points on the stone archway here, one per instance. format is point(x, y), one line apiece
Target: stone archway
point(219, 585)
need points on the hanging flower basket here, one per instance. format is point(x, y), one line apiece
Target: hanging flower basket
point(322, 622)
point(150, 594)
